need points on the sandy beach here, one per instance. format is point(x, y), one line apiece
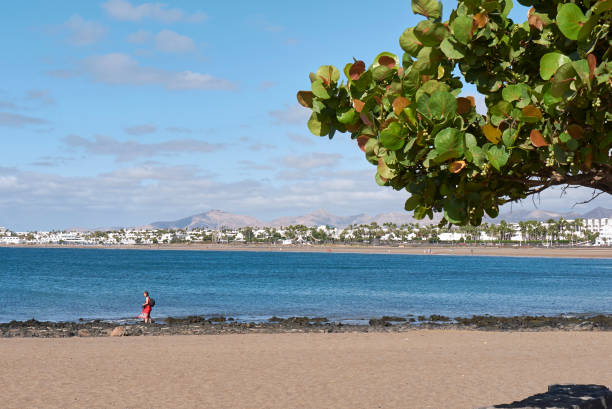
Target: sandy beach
point(418, 369)
point(473, 250)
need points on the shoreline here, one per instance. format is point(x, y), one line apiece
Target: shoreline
point(200, 325)
point(430, 250)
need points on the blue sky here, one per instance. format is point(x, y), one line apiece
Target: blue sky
point(122, 112)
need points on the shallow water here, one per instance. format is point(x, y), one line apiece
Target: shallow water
point(68, 284)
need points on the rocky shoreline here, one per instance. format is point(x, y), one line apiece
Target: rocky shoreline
point(200, 325)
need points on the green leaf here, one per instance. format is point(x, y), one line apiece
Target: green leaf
point(509, 136)
point(570, 20)
point(381, 72)
point(384, 170)
point(462, 29)
point(427, 8)
point(449, 143)
point(549, 63)
point(411, 82)
point(452, 49)
point(499, 112)
point(507, 8)
point(498, 156)
point(582, 69)
point(347, 117)
point(392, 136)
point(427, 61)
point(492, 211)
point(440, 106)
point(455, 211)
point(515, 92)
point(329, 73)
point(430, 34)
point(412, 202)
point(317, 125)
point(410, 43)
point(562, 80)
point(602, 6)
point(432, 86)
point(319, 90)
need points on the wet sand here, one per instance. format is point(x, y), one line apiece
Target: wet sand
point(473, 250)
point(417, 369)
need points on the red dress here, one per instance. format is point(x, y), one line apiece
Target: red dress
point(146, 311)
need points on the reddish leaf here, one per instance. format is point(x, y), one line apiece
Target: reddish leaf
point(305, 98)
point(537, 139)
point(575, 131)
point(352, 128)
point(532, 111)
point(387, 61)
point(356, 70)
point(464, 105)
point(536, 22)
point(472, 101)
point(400, 103)
point(425, 78)
point(362, 140)
point(592, 60)
point(365, 119)
point(457, 166)
point(358, 105)
point(481, 20)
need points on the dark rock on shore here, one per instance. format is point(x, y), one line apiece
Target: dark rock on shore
point(200, 325)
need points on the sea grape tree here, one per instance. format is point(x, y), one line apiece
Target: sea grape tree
point(547, 89)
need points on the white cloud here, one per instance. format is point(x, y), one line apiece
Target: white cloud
point(301, 139)
point(126, 11)
point(293, 115)
point(179, 129)
point(83, 32)
point(43, 96)
point(170, 42)
point(139, 37)
point(130, 150)
point(18, 121)
point(312, 160)
point(140, 129)
point(120, 68)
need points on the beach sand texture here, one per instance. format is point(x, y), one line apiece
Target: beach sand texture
point(418, 369)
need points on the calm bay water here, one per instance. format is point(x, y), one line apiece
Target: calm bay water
point(67, 284)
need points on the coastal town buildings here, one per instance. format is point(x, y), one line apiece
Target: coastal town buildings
point(597, 232)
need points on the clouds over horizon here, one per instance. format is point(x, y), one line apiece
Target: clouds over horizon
point(122, 69)
point(83, 32)
point(18, 121)
point(125, 11)
point(291, 115)
point(123, 151)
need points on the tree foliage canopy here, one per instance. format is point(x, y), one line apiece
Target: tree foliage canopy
point(547, 87)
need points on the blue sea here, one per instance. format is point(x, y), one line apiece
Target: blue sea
point(68, 284)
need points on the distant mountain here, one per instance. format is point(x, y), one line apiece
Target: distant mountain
point(212, 219)
point(323, 217)
point(543, 215)
point(216, 218)
point(598, 213)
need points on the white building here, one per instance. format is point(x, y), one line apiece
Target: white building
point(596, 225)
point(451, 236)
point(605, 236)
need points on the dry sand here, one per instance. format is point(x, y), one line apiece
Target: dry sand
point(419, 369)
point(474, 250)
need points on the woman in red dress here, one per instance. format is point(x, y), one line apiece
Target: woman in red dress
point(146, 309)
